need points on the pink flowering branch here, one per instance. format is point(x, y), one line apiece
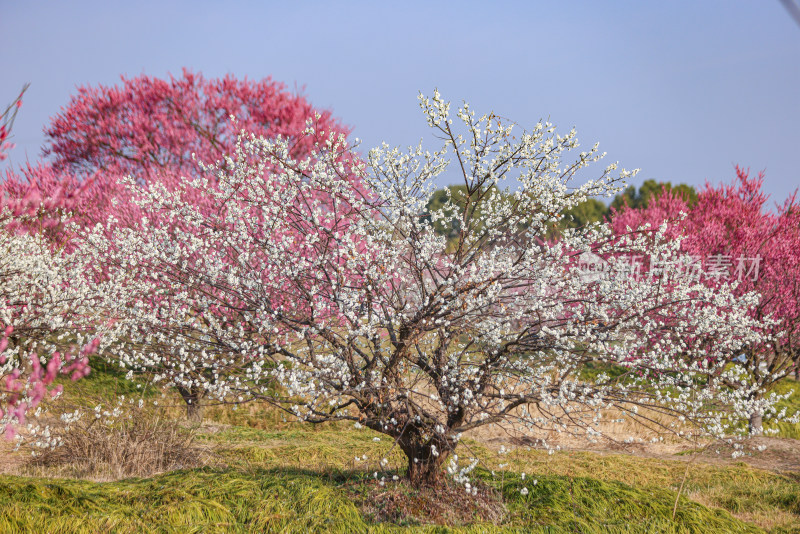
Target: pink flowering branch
point(7, 122)
point(25, 386)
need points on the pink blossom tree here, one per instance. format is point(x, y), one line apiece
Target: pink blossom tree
point(736, 238)
point(148, 127)
point(151, 129)
point(40, 200)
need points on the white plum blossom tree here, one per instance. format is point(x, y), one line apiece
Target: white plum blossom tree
point(46, 320)
point(335, 300)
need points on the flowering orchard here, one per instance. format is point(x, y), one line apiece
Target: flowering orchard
point(312, 282)
point(154, 131)
point(730, 236)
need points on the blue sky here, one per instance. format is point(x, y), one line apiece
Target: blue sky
point(681, 89)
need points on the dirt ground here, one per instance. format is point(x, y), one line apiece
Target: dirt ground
point(773, 454)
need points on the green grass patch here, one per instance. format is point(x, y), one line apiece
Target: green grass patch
point(581, 504)
point(792, 405)
point(105, 382)
point(768, 499)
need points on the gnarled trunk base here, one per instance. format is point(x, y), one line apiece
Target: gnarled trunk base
point(424, 465)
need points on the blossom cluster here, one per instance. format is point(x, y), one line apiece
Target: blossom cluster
point(46, 323)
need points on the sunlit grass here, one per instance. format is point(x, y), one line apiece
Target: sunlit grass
point(298, 500)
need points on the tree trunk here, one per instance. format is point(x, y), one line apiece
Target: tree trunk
point(192, 398)
point(424, 467)
point(756, 423)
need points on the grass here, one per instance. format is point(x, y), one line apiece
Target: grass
point(792, 405)
point(305, 480)
point(768, 499)
point(273, 476)
point(290, 500)
point(104, 381)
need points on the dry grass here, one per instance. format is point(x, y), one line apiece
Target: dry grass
point(141, 446)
